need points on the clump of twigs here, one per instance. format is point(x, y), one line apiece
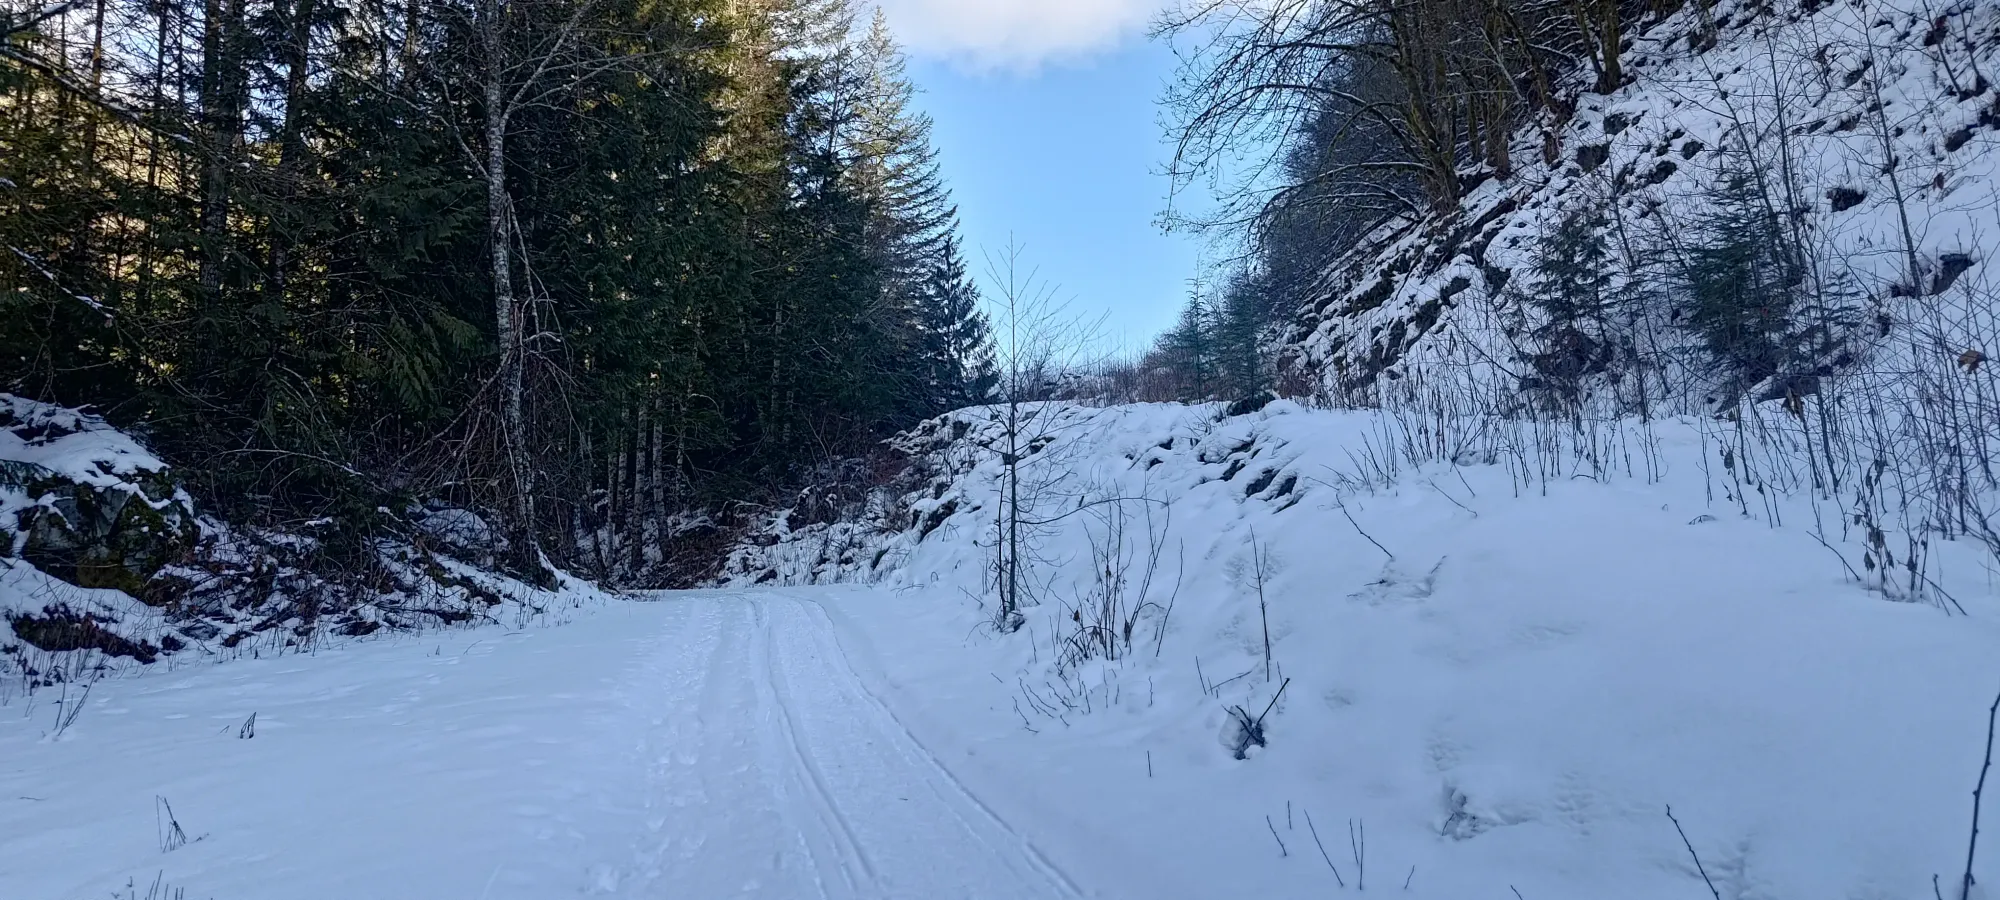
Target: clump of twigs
point(1124, 567)
point(1249, 730)
point(172, 835)
point(67, 710)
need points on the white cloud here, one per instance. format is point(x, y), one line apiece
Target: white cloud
point(1018, 34)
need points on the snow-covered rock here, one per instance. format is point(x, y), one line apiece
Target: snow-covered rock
point(104, 561)
point(83, 500)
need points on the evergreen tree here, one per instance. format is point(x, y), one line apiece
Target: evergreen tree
point(1188, 350)
point(1573, 293)
point(1744, 281)
point(957, 352)
point(706, 249)
point(1239, 322)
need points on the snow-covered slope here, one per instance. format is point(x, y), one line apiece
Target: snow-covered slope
point(1876, 117)
point(105, 565)
point(1504, 671)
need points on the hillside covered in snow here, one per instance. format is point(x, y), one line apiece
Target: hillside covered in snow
point(1504, 669)
point(1864, 131)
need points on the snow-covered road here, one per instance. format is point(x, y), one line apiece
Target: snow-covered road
point(701, 746)
point(772, 772)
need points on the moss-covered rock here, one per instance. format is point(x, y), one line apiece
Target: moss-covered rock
point(86, 503)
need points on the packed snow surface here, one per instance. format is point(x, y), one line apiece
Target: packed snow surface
point(1493, 686)
point(702, 746)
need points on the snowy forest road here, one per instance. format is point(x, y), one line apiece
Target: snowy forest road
point(775, 773)
point(701, 746)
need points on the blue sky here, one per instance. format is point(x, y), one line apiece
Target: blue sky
point(1047, 121)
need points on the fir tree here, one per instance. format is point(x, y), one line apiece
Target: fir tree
point(1574, 295)
point(957, 351)
point(1188, 350)
point(1744, 282)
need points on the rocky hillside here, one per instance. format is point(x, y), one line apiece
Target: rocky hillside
point(105, 562)
point(1869, 127)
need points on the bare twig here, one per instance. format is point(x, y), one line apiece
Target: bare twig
point(1357, 843)
point(1263, 608)
point(67, 711)
point(1160, 636)
point(1274, 702)
point(1359, 530)
point(1972, 842)
point(1274, 836)
point(1322, 851)
point(1697, 857)
point(1454, 500)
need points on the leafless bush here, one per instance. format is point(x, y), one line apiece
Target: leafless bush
point(1124, 567)
point(1039, 344)
point(1249, 730)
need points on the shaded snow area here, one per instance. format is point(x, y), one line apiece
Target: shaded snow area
point(703, 746)
point(105, 565)
point(1496, 675)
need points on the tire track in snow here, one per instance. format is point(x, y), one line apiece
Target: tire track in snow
point(937, 842)
point(769, 771)
point(831, 645)
point(812, 783)
point(718, 821)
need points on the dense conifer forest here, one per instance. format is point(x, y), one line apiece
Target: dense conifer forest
point(580, 263)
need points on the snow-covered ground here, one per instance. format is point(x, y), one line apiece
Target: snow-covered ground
point(1493, 684)
point(700, 746)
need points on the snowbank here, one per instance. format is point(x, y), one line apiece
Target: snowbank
point(1502, 672)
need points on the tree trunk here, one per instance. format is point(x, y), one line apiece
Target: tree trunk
point(1610, 35)
point(222, 118)
point(412, 29)
point(506, 309)
point(291, 149)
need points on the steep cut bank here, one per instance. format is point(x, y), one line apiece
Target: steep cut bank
point(1866, 131)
